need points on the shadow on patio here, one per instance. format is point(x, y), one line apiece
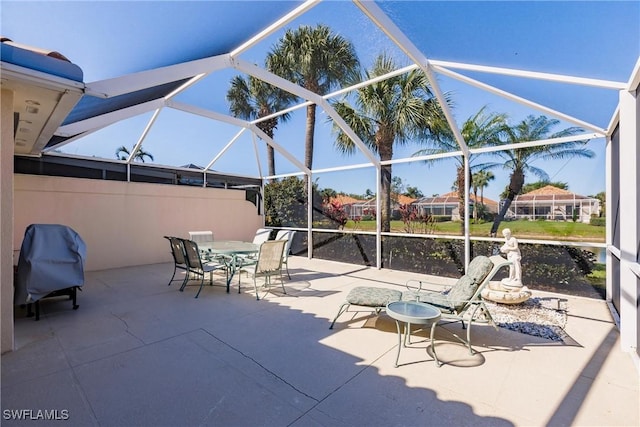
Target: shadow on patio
point(137, 352)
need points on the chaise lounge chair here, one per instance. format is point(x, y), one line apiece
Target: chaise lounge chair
point(460, 302)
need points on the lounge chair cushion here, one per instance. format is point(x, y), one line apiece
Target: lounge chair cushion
point(479, 267)
point(372, 297)
point(462, 292)
point(437, 299)
point(464, 289)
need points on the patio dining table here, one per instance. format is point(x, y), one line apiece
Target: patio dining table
point(230, 252)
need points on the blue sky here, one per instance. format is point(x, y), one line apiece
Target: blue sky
point(113, 38)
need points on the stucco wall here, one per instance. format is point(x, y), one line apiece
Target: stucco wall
point(122, 223)
point(6, 219)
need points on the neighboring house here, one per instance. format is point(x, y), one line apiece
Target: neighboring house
point(554, 203)
point(360, 208)
point(192, 166)
point(348, 204)
point(447, 205)
point(364, 207)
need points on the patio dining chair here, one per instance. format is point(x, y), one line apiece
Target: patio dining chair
point(267, 264)
point(261, 236)
point(288, 236)
point(197, 267)
point(179, 258)
point(201, 236)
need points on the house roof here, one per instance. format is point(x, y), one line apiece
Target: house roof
point(399, 198)
point(45, 85)
point(452, 199)
point(405, 200)
point(192, 166)
point(344, 200)
point(38, 59)
point(549, 192)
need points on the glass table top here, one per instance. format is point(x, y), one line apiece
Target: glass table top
point(412, 312)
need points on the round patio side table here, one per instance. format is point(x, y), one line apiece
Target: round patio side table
point(417, 313)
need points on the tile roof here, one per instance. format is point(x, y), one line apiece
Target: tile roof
point(549, 192)
point(344, 199)
point(347, 200)
point(405, 200)
point(452, 198)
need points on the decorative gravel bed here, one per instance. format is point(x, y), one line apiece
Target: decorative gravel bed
point(541, 317)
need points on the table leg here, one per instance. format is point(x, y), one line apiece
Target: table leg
point(232, 271)
point(399, 342)
point(433, 346)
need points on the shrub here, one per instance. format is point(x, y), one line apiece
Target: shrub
point(598, 221)
point(285, 202)
point(548, 268)
point(335, 212)
point(414, 221)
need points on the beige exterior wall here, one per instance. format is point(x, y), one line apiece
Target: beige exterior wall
point(123, 223)
point(6, 220)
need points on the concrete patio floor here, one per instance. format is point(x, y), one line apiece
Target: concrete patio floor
point(140, 353)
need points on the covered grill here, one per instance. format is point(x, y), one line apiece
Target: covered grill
point(51, 263)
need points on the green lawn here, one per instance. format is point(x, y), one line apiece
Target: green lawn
point(522, 229)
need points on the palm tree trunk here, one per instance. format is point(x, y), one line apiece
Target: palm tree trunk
point(385, 202)
point(475, 204)
point(385, 210)
point(308, 142)
point(385, 151)
point(515, 186)
point(271, 160)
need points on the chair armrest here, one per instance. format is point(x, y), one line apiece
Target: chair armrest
point(420, 290)
point(418, 286)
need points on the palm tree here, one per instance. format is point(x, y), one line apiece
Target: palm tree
point(123, 153)
point(478, 130)
point(479, 181)
point(386, 113)
point(317, 60)
point(413, 192)
point(251, 99)
point(520, 160)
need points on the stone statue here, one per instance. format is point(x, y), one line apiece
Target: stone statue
point(510, 248)
point(509, 290)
